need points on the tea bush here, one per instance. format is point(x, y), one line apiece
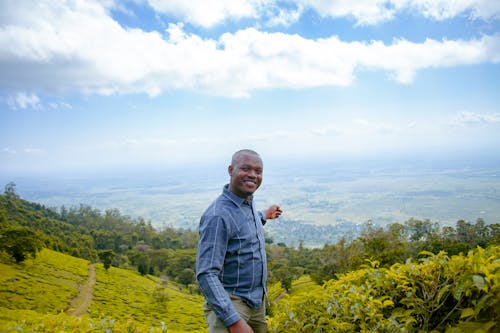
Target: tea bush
point(435, 294)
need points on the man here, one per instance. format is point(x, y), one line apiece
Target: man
point(231, 260)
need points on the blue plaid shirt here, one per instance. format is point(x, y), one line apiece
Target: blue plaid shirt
point(231, 255)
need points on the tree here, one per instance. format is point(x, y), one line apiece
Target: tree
point(142, 260)
point(420, 230)
point(20, 242)
point(186, 277)
point(10, 189)
point(106, 257)
point(494, 230)
point(384, 246)
point(3, 215)
point(160, 258)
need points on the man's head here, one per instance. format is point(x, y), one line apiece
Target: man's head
point(245, 172)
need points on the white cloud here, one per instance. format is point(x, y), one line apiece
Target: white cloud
point(364, 11)
point(326, 131)
point(444, 9)
point(8, 151)
point(59, 105)
point(379, 127)
point(404, 58)
point(33, 150)
point(283, 17)
point(207, 13)
point(467, 117)
point(369, 12)
point(78, 46)
point(23, 101)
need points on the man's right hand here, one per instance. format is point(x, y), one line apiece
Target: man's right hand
point(240, 326)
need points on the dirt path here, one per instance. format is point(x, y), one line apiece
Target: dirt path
point(284, 292)
point(280, 296)
point(80, 304)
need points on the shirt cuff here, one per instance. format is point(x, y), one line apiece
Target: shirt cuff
point(231, 319)
point(262, 217)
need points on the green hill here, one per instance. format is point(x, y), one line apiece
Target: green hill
point(420, 277)
point(40, 294)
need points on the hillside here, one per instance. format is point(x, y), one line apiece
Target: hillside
point(405, 275)
point(38, 295)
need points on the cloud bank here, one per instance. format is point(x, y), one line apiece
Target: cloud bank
point(208, 13)
point(61, 46)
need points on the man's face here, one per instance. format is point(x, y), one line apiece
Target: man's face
point(246, 175)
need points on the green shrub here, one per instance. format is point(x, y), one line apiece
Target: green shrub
point(436, 294)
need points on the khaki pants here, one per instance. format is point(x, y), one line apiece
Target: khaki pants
point(255, 318)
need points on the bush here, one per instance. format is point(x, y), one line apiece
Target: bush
point(437, 294)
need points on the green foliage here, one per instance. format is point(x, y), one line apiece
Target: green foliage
point(45, 284)
point(35, 294)
point(57, 235)
point(125, 295)
point(84, 232)
point(106, 257)
point(34, 322)
point(20, 242)
point(436, 294)
point(186, 277)
point(10, 189)
point(366, 286)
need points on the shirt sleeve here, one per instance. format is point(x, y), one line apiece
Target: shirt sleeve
point(262, 217)
point(212, 248)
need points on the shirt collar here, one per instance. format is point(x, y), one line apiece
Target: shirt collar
point(234, 198)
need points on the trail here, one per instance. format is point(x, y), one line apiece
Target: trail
point(284, 292)
point(280, 296)
point(80, 304)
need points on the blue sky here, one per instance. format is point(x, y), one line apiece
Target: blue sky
point(118, 84)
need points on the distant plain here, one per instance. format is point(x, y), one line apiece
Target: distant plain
point(317, 195)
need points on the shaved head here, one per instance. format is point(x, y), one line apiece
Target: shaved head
point(239, 153)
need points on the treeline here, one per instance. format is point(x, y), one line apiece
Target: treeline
point(85, 232)
point(118, 240)
point(392, 244)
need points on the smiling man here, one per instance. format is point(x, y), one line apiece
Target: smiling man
point(231, 260)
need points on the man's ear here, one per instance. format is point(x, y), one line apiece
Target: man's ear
point(230, 170)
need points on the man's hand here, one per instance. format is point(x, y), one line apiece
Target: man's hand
point(240, 326)
point(273, 212)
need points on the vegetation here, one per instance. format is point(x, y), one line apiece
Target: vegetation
point(35, 297)
point(45, 284)
point(435, 294)
point(121, 295)
point(407, 277)
point(87, 233)
point(20, 242)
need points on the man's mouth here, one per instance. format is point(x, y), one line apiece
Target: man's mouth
point(249, 182)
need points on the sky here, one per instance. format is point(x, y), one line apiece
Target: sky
point(96, 85)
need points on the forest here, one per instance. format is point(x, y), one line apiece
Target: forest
point(413, 276)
